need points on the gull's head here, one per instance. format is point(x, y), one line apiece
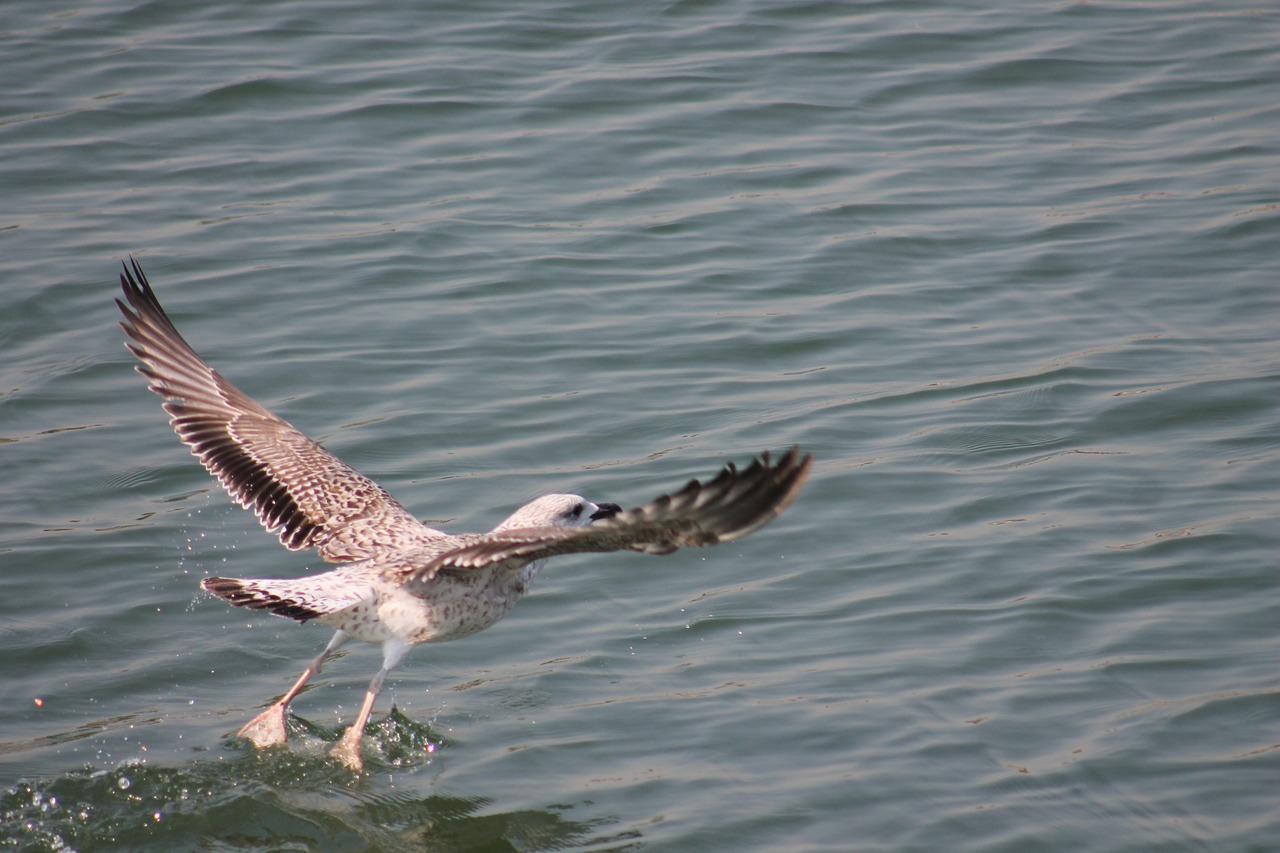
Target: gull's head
point(558, 511)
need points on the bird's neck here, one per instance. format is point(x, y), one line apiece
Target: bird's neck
point(526, 575)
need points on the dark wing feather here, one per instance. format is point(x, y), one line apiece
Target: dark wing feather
point(722, 509)
point(299, 491)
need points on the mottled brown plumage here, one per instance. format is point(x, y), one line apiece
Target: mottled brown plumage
point(298, 490)
point(401, 582)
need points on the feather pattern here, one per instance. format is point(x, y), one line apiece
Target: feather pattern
point(401, 582)
point(298, 490)
point(722, 509)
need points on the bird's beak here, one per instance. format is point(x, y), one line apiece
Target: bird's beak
point(605, 511)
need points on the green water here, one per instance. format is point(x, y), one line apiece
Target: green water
point(1009, 273)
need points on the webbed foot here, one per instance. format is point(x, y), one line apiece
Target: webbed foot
point(266, 729)
point(348, 749)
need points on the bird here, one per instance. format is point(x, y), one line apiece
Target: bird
point(400, 582)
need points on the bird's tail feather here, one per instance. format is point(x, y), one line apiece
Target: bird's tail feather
point(302, 599)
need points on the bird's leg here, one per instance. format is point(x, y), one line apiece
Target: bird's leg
point(348, 749)
point(267, 729)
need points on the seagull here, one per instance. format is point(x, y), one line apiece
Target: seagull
point(400, 582)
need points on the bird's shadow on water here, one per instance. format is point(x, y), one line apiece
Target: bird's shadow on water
point(293, 797)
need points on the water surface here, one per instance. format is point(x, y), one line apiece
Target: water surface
point(1010, 273)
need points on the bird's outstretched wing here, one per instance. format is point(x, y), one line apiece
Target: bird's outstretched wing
point(299, 491)
point(727, 507)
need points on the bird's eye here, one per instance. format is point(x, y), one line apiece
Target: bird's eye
point(577, 510)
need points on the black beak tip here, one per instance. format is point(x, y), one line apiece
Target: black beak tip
point(605, 511)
